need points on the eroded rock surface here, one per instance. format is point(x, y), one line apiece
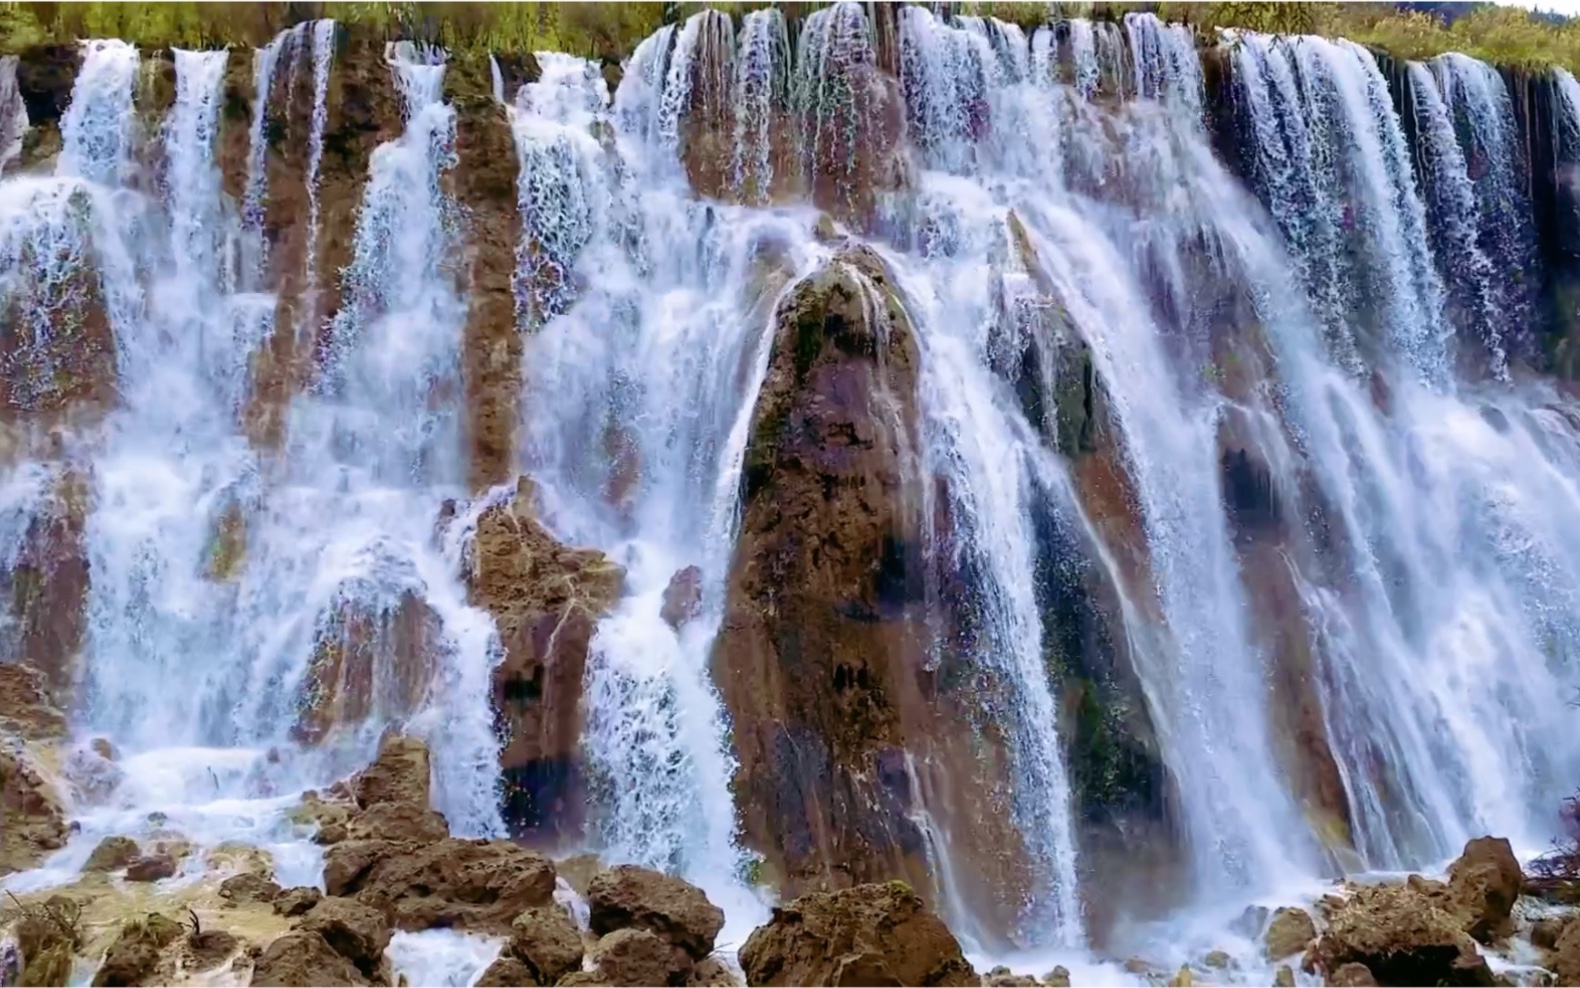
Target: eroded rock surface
point(626, 897)
point(545, 599)
point(33, 820)
point(867, 935)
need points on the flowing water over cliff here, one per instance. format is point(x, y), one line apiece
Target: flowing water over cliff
point(1098, 479)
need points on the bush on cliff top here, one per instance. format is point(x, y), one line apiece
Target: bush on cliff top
point(1509, 36)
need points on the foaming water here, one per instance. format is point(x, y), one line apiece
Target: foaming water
point(441, 957)
point(208, 676)
point(654, 370)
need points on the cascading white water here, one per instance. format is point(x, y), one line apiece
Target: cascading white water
point(13, 112)
point(255, 194)
point(323, 54)
point(1451, 194)
point(198, 678)
point(1331, 150)
point(1445, 658)
point(761, 84)
point(661, 356)
point(1475, 94)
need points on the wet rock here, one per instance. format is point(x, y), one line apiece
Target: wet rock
point(390, 821)
point(249, 887)
point(151, 868)
point(327, 817)
point(867, 935)
point(32, 819)
point(303, 958)
point(134, 956)
point(506, 972)
point(1289, 932)
point(474, 885)
point(1284, 977)
point(1546, 931)
point(208, 949)
point(296, 901)
point(1352, 976)
point(113, 854)
point(710, 972)
point(1059, 977)
point(26, 709)
point(401, 773)
point(1565, 957)
point(1485, 882)
point(484, 181)
point(374, 657)
point(579, 870)
point(818, 651)
point(547, 942)
point(236, 857)
point(47, 937)
point(637, 958)
point(1216, 958)
point(1182, 979)
point(357, 932)
point(630, 897)
point(1403, 936)
point(1003, 977)
point(545, 599)
point(683, 597)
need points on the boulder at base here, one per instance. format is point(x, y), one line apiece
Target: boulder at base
point(1403, 936)
point(1484, 884)
point(303, 958)
point(479, 886)
point(630, 897)
point(877, 934)
point(32, 819)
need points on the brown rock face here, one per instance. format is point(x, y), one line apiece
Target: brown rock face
point(134, 956)
point(476, 885)
point(1290, 931)
point(401, 773)
point(683, 597)
point(821, 642)
point(636, 958)
point(546, 943)
point(630, 897)
point(546, 599)
point(1403, 936)
point(373, 658)
point(25, 707)
point(1485, 882)
point(868, 935)
point(32, 819)
point(1565, 958)
point(356, 932)
point(48, 590)
point(303, 958)
point(485, 187)
point(151, 868)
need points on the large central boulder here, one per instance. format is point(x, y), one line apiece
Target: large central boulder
point(1404, 935)
point(819, 643)
point(868, 935)
point(546, 599)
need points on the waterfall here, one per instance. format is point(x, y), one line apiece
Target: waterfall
point(1475, 281)
point(640, 395)
point(323, 54)
point(97, 126)
point(1246, 520)
point(254, 198)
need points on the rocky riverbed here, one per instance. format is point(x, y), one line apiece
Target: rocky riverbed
point(395, 885)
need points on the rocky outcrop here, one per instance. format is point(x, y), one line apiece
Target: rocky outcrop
point(477, 885)
point(628, 897)
point(1402, 935)
point(682, 597)
point(546, 943)
point(356, 932)
point(26, 709)
point(819, 638)
point(545, 599)
point(363, 111)
point(373, 658)
point(134, 956)
point(303, 958)
point(1484, 883)
point(867, 935)
point(32, 819)
point(47, 587)
point(485, 187)
point(634, 958)
point(1290, 932)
